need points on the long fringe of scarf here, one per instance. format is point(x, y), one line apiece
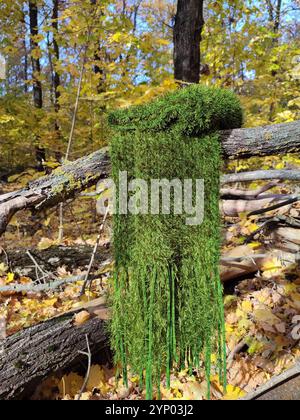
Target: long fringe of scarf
point(167, 295)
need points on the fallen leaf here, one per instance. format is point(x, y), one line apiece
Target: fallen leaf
point(266, 319)
point(234, 393)
point(10, 278)
point(45, 243)
point(82, 318)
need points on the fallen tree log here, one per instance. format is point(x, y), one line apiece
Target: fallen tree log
point(29, 357)
point(51, 259)
point(234, 208)
point(259, 205)
point(261, 141)
point(234, 193)
point(72, 178)
point(33, 354)
point(284, 387)
point(285, 174)
point(286, 234)
point(64, 183)
point(243, 261)
point(239, 262)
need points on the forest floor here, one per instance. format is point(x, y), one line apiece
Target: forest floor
point(262, 310)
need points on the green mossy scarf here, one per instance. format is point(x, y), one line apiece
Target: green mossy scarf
point(167, 294)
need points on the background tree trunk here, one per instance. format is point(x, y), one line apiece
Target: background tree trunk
point(98, 70)
point(56, 76)
point(189, 22)
point(36, 73)
point(36, 65)
point(275, 21)
point(25, 61)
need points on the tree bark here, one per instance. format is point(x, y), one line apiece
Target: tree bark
point(29, 357)
point(263, 175)
point(25, 64)
point(64, 183)
point(261, 141)
point(277, 16)
point(36, 65)
point(56, 76)
point(51, 259)
point(36, 74)
point(284, 387)
point(189, 22)
point(98, 57)
point(69, 180)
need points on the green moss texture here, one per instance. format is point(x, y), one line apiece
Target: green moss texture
point(167, 294)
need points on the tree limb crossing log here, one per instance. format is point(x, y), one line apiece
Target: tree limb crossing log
point(52, 258)
point(261, 141)
point(64, 183)
point(286, 175)
point(69, 180)
point(29, 357)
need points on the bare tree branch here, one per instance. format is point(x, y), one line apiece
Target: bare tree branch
point(66, 182)
point(286, 175)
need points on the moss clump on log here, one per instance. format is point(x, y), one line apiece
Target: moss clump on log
point(167, 299)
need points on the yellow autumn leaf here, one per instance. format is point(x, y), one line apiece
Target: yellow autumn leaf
point(213, 358)
point(82, 318)
point(10, 278)
point(36, 53)
point(247, 306)
point(116, 37)
point(234, 393)
point(253, 227)
point(165, 42)
point(47, 221)
point(194, 391)
point(70, 385)
point(97, 380)
point(271, 266)
point(50, 302)
point(280, 165)
point(229, 328)
point(254, 245)
point(290, 288)
point(45, 243)
point(265, 315)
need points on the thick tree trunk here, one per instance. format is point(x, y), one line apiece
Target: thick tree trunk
point(189, 22)
point(29, 357)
